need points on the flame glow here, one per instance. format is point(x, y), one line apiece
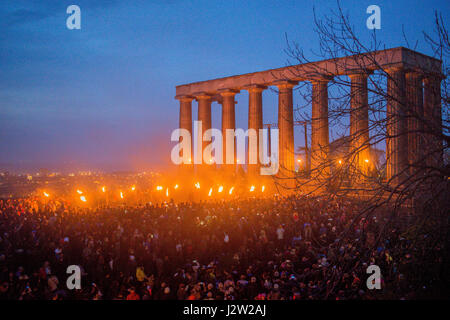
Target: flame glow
point(46, 194)
point(197, 185)
point(83, 198)
point(121, 194)
point(252, 188)
point(103, 189)
point(231, 190)
point(210, 192)
point(176, 186)
point(220, 188)
point(262, 188)
point(80, 192)
point(159, 188)
point(133, 188)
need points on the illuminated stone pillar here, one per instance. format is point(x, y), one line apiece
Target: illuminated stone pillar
point(286, 128)
point(186, 123)
point(414, 102)
point(359, 122)
point(255, 122)
point(228, 122)
point(204, 115)
point(433, 121)
point(319, 128)
point(396, 126)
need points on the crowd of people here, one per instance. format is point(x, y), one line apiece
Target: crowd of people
point(290, 248)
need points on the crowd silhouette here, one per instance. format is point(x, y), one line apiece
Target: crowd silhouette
point(290, 248)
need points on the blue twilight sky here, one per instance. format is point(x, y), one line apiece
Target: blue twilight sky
point(103, 96)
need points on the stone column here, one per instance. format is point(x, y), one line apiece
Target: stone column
point(228, 122)
point(414, 102)
point(204, 115)
point(286, 128)
point(186, 123)
point(396, 125)
point(359, 122)
point(255, 122)
point(319, 128)
point(433, 120)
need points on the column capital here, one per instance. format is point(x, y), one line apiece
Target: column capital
point(433, 76)
point(184, 98)
point(202, 95)
point(284, 84)
point(396, 68)
point(359, 73)
point(320, 79)
point(255, 88)
point(412, 73)
point(228, 92)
